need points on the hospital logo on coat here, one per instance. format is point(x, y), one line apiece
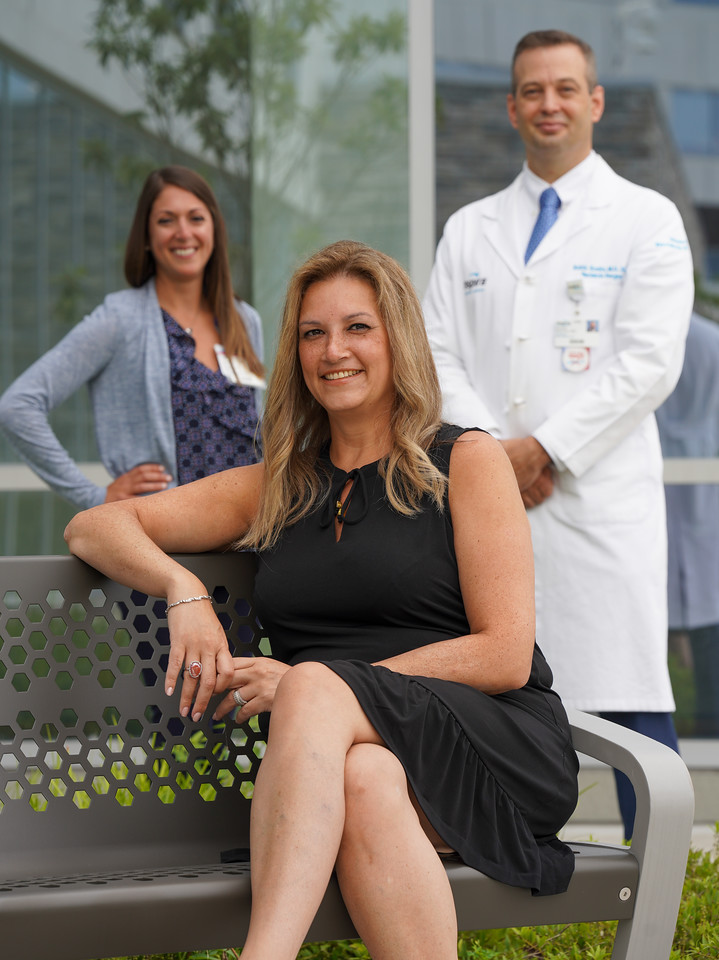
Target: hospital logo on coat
point(474, 284)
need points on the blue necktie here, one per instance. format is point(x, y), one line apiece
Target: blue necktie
point(549, 204)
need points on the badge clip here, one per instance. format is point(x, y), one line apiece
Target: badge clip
point(576, 293)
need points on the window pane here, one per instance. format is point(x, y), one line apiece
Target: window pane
point(31, 523)
point(692, 120)
point(330, 141)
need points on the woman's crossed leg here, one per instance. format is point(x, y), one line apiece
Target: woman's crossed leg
point(329, 793)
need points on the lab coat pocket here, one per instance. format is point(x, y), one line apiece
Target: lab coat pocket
point(608, 284)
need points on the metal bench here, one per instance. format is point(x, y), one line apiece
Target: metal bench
point(115, 812)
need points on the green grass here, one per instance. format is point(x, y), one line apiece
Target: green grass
point(696, 938)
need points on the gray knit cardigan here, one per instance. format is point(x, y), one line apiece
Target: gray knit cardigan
point(120, 351)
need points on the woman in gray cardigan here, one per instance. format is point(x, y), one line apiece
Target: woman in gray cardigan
point(173, 364)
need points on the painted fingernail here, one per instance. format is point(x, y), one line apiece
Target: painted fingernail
point(196, 716)
point(184, 711)
point(169, 691)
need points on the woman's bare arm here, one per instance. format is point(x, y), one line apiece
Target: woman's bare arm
point(129, 541)
point(496, 573)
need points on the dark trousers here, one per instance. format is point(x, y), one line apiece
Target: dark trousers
point(657, 726)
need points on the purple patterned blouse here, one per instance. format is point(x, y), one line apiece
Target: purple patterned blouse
point(215, 420)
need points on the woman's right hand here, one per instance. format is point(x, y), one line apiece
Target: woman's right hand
point(144, 478)
point(196, 636)
point(256, 678)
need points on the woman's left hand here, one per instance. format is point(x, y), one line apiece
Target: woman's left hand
point(256, 678)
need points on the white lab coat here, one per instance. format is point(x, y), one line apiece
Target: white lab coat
point(600, 539)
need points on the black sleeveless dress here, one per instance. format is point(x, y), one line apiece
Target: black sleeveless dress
point(495, 775)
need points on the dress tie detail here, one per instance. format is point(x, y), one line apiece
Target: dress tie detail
point(336, 509)
point(549, 204)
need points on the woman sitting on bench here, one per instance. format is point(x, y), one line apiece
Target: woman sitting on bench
point(412, 714)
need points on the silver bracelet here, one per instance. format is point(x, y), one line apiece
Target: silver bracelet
point(188, 600)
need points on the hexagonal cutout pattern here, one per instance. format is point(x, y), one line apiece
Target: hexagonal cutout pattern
point(85, 719)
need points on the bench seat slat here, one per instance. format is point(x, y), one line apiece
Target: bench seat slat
point(125, 910)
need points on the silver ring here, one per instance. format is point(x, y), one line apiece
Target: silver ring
point(194, 671)
point(238, 698)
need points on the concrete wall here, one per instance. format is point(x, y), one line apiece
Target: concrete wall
point(53, 35)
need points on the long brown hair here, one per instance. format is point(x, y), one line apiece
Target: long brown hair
point(295, 427)
point(216, 282)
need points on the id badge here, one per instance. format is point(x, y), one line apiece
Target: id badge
point(576, 332)
point(236, 370)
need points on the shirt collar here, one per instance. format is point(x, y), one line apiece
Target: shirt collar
point(569, 186)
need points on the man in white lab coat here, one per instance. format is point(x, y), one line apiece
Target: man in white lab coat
point(557, 311)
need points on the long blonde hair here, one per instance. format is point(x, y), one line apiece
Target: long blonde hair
point(295, 427)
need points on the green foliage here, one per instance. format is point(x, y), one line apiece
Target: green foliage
point(212, 66)
point(696, 938)
point(215, 955)
point(697, 934)
point(189, 60)
point(334, 950)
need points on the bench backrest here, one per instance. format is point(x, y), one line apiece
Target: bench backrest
point(93, 754)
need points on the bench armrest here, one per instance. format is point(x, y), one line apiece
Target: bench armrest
point(662, 827)
point(661, 781)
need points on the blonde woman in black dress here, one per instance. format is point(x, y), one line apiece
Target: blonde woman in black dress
point(411, 711)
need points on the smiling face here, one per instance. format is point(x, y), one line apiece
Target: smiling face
point(344, 348)
point(553, 108)
point(181, 235)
